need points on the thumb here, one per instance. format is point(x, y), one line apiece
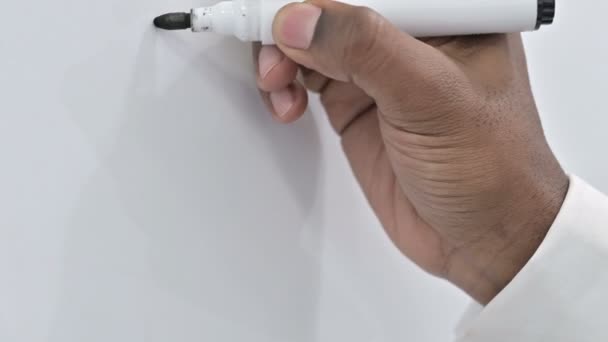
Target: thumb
point(355, 44)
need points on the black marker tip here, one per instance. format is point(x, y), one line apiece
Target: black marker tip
point(173, 21)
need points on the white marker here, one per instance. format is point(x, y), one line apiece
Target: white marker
point(251, 20)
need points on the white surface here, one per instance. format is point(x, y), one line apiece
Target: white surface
point(569, 71)
point(147, 196)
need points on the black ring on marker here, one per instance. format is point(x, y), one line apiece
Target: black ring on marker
point(546, 13)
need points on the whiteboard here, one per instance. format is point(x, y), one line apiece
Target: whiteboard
point(146, 195)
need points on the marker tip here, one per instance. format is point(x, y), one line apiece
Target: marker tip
point(173, 21)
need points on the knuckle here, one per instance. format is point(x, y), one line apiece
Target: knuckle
point(315, 82)
point(338, 97)
point(336, 101)
point(327, 103)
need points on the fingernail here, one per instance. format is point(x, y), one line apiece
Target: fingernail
point(282, 101)
point(297, 25)
point(269, 57)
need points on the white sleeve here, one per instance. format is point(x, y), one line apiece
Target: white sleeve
point(562, 293)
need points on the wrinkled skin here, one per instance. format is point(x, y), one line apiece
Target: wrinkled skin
point(442, 134)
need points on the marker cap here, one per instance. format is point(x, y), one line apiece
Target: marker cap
point(546, 13)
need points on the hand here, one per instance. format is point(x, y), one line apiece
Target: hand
point(443, 135)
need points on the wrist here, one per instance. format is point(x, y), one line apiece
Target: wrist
point(487, 266)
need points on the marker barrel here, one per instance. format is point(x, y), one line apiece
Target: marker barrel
point(251, 20)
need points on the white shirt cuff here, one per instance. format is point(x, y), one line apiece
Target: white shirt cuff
point(562, 292)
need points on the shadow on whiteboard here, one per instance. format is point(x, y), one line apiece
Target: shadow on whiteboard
point(192, 225)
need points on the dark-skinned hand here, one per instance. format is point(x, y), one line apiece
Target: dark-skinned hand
point(442, 134)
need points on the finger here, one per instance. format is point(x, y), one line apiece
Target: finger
point(274, 70)
point(287, 104)
point(344, 102)
point(349, 43)
point(313, 80)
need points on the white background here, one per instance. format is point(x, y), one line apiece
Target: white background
point(145, 194)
